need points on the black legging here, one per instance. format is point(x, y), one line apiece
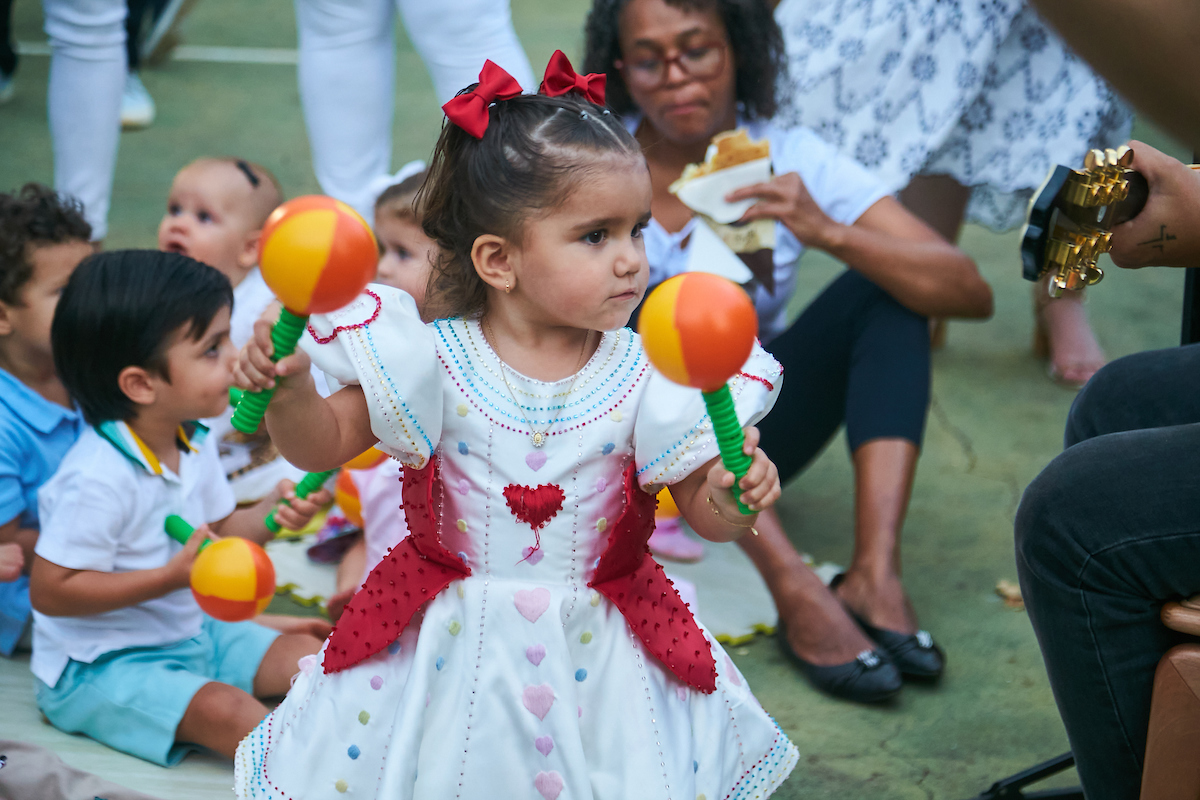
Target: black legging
point(854, 355)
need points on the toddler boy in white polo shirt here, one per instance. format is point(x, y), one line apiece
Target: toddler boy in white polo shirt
point(121, 651)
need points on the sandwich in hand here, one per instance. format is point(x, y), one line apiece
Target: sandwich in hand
point(732, 162)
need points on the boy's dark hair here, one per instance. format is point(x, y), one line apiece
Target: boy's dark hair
point(32, 217)
point(527, 162)
point(755, 44)
point(120, 309)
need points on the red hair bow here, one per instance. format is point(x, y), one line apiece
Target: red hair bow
point(469, 111)
point(561, 78)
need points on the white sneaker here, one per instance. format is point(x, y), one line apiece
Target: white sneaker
point(137, 106)
point(8, 87)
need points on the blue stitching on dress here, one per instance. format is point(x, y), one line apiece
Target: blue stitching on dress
point(407, 411)
point(504, 397)
point(738, 384)
point(466, 377)
point(781, 751)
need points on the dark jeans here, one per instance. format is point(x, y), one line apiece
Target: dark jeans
point(854, 356)
point(1104, 536)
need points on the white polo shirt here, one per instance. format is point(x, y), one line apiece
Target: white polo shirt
point(842, 187)
point(104, 510)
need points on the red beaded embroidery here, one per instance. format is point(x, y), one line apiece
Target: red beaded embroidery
point(340, 328)
point(770, 386)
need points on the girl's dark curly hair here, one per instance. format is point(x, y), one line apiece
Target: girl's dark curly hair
point(534, 153)
point(755, 41)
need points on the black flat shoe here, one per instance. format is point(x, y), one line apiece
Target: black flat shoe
point(870, 678)
point(914, 654)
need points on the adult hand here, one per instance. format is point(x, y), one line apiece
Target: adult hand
point(785, 198)
point(1167, 231)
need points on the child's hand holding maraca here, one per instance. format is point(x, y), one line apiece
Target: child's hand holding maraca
point(293, 512)
point(316, 254)
point(760, 486)
point(256, 371)
point(178, 570)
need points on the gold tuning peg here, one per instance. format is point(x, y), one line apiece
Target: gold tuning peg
point(1110, 157)
point(1093, 159)
point(1125, 156)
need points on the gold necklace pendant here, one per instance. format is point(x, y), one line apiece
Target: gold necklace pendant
point(536, 438)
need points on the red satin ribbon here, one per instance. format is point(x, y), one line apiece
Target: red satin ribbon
point(469, 111)
point(561, 78)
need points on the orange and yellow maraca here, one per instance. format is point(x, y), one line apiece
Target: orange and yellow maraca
point(698, 330)
point(232, 579)
point(316, 254)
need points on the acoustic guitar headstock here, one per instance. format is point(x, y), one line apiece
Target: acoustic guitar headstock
point(1070, 220)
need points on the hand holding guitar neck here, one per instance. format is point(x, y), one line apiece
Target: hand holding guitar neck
point(1166, 232)
point(1072, 218)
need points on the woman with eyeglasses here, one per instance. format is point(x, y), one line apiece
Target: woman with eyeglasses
point(681, 71)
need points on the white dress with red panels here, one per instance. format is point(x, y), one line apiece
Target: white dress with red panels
point(520, 642)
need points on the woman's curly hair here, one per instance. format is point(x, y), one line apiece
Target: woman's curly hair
point(755, 41)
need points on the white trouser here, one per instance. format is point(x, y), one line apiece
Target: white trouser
point(347, 76)
point(87, 76)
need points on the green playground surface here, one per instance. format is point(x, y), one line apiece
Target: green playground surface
point(996, 420)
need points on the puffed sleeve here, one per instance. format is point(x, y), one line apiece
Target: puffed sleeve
point(673, 435)
point(378, 342)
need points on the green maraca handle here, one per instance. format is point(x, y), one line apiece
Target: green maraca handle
point(730, 438)
point(307, 485)
point(285, 333)
point(181, 530)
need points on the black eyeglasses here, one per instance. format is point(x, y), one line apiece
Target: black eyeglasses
point(700, 62)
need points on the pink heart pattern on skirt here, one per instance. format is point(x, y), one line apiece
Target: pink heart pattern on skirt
point(538, 699)
point(535, 653)
point(544, 744)
point(532, 603)
point(548, 784)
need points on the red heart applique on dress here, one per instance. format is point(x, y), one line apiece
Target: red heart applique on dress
point(534, 507)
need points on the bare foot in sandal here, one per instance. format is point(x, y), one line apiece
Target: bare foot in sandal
point(1064, 336)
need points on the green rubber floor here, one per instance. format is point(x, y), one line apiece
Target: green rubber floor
point(996, 420)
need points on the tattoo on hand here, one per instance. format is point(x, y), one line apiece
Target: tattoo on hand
point(1159, 242)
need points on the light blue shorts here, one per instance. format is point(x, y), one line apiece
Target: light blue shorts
point(133, 700)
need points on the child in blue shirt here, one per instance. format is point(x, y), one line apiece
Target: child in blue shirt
point(121, 650)
point(43, 237)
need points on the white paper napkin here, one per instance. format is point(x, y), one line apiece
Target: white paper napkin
point(706, 194)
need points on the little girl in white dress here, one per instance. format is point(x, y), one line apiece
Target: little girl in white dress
point(521, 641)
